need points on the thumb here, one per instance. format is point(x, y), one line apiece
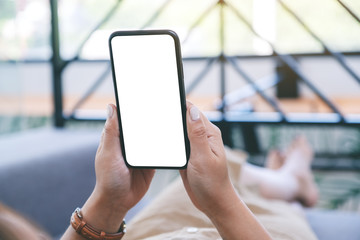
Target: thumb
point(197, 131)
point(110, 134)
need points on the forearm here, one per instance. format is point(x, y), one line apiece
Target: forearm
point(100, 215)
point(234, 220)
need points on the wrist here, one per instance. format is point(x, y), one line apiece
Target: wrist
point(87, 231)
point(223, 204)
point(103, 213)
point(234, 220)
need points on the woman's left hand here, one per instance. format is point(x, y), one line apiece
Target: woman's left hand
point(118, 188)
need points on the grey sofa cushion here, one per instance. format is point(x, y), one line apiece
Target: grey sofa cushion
point(332, 224)
point(45, 174)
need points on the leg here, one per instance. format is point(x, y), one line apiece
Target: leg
point(293, 181)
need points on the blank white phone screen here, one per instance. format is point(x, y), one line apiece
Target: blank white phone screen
point(149, 100)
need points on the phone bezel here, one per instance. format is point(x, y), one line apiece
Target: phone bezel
point(181, 90)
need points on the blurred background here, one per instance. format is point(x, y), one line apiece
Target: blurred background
point(209, 30)
point(264, 71)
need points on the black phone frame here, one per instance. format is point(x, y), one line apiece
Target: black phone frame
point(181, 90)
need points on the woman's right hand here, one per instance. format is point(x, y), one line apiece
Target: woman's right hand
point(208, 185)
point(206, 178)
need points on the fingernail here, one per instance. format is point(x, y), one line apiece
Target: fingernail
point(110, 111)
point(194, 113)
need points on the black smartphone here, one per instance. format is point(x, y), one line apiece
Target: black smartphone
point(150, 96)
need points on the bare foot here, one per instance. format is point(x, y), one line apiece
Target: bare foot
point(274, 160)
point(298, 162)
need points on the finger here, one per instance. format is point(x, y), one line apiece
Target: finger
point(110, 136)
point(213, 133)
point(214, 137)
point(211, 128)
point(197, 131)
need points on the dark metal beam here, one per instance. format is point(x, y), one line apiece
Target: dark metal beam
point(91, 90)
point(197, 22)
point(200, 76)
point(56, 63)
point(269, 100)
point(337, 56)
point(250, 138)
point(305, 119)
point(349, 10)
point(290, 62)
point(287, 86)
point(294, 55)
point(106, 18)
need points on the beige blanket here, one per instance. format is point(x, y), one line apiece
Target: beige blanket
point(172, 215)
